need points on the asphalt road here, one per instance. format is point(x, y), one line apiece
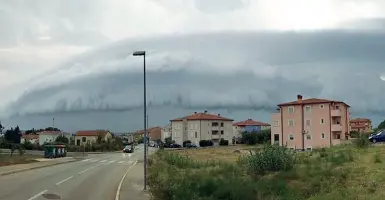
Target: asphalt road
point(96, 178)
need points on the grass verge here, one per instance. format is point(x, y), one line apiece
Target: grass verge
point(342, 172)
point(6, 159)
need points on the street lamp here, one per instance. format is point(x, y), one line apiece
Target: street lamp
point(143, 53)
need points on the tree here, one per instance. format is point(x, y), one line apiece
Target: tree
point(62, 139)
point(381, 125)
point(1, 128)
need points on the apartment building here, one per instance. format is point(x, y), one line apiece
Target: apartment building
point(166, 132)
point(361, 125)
point(249, 125)
point(154, 133)
point(202, 126)
point(305, 124)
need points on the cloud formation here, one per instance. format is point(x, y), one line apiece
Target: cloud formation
point(252, 70)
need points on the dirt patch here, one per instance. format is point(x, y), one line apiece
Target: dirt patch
point(6, 160)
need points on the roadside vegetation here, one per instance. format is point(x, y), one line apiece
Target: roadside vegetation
point(351, 171)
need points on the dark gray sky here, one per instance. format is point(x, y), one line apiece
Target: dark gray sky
point(60, 60)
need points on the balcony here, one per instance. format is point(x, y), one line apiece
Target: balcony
point(335, 113)
point(216, 136)
point(336, 127)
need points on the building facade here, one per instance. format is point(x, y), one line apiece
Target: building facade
point(361, 125)
point(202, 126)
point(250, 126)
point(154, 133)
point(167, 130)
point(305, 124)
point(50, 136)
point(88, 137)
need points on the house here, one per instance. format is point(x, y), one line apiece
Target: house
point(32, 138)
point(249, 125)
point(50, 136)
point(91, 136)
point(154, 133)
point(310, 123)
point(166, 132)
point(361, 125)
point(202, 126)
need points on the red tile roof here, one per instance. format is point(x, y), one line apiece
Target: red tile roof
point(49, 132)
point(92, 133)
point(202, 116)
point(30, 136)
point(358, 126)
point(250, 122)
point(310, 101)
point(360, 120)
point(155, 133)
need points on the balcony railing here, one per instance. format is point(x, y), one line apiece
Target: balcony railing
point(336, 127)
point(215, 136)
point(335, 113)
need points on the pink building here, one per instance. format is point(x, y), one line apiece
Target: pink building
point(305, 124)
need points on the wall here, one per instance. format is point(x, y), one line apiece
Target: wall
point(276, 127)
point(316, 128)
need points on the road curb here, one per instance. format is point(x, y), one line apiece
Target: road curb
point(31, 168)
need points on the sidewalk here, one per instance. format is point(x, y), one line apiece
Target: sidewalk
point(11, 169)
point(132, 187)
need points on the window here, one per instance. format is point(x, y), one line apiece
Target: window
point(308, 136)
point(337, 107)
point(291, 109)
point(323, 135)
point(321, 106)
point(322, 121)
point(308, 149)
point(276, 123)
point(291, 137)
point(291, 122)
point(214, 124)
point(222, 124)
point(308, 122)
point(196, 126)
point(308, 109)
point(222, 132)
point(196, 135)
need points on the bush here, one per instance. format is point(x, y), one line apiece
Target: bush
point(362, 141)
point(186, 142)
point(270, 159)
point(224, 142)
point(206, 143)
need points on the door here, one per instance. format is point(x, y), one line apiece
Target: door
point(276, 139)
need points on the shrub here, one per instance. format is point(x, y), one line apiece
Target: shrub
point(362, 141)
point(186, 142)
point(270, 159)
point(224, 142)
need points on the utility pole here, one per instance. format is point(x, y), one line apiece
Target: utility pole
point(53, 123)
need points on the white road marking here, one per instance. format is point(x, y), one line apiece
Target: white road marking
point(102, 161)
point(120, 162)
point(112, 161)
point(94, 160)
point(88, 169)
point(36, 196)
point(121, 181)
point(86, 160)
point(58, 183)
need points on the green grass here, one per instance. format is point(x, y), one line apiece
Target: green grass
point(342, 172)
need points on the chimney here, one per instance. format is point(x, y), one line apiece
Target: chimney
point(195, 112)
point(205, 111)
point(299, 97)
point(249, 118)
point(219, 114)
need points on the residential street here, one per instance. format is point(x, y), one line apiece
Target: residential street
point(97, 177)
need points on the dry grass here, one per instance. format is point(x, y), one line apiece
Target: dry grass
point(6, 159)
point(222, 153)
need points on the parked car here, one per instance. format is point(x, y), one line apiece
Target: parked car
point(128, 149)
point(190, 145)
point(176, 146)
point(378, 137)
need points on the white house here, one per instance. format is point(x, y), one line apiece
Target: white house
point(32, 138)
point(50, 136)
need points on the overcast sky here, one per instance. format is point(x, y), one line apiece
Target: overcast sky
point(71, 59)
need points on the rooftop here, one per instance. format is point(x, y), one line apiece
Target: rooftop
point(301, 101)
point(91, 133)
point(250, 122)
point(203, 116)
point(360, 120)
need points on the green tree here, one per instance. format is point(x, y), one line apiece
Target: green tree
point(381, 125)
point(1, 128)
point(62, 139)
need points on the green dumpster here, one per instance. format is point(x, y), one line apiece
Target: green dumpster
point(54, 151)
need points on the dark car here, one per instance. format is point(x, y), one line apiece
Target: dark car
point(175, 146)
point(128, 149)
point(189, 145)
point(378, 137)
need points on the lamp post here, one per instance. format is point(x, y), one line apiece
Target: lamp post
point(143, 53)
